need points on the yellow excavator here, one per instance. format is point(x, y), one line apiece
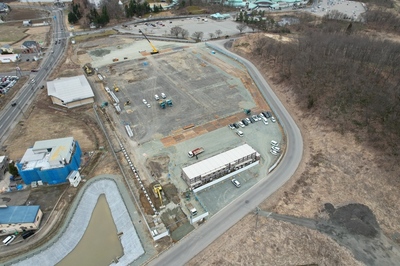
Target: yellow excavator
point(158, 193)
point(155, 51)
point(116, 89)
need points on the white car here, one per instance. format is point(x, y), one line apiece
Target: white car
point(144, 101)
point(236, 183)
point(241, 124)
point(148, 105)
point(163, 95)
point(255, 118)
point(261, 115)
point(273, 119)
point(265, 120)
point(239, 133)
point(156, 97)
point(274, 143)
point(273, 152)
point(275, 148)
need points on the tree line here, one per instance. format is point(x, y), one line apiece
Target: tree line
point(352, 79)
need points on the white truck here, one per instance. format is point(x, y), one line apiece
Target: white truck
point(195, 152)
point(191, 209)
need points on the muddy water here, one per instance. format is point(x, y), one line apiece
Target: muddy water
point(100, 243)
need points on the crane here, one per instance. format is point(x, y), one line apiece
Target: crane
point(155, 51)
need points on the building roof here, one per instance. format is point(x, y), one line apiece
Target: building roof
point(70, 89)
point(29, 43)
point(18, 214)
point(48, 154)
point(218, 161)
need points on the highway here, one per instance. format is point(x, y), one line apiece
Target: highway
point(202, 237)
point(10, 114)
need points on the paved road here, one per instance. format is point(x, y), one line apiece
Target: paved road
point(199, 239)
point(10, 114)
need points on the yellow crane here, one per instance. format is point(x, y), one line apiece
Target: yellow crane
point(155, 51)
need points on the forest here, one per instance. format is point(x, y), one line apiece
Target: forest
point(346, 76)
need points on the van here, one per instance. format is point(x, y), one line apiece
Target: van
point(27, 234)
point(8, 240)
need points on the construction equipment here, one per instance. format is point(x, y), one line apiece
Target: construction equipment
point(162, 104)
point(157, 188)
point(169, 102)
point(104, 104)
point(155, 51)
point(88, 69)
point(127, 103)
point(116, 89)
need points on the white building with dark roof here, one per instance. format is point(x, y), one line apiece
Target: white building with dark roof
point(219, 165)
point(70, 92)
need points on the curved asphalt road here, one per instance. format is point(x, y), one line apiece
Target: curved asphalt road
point(202, 237)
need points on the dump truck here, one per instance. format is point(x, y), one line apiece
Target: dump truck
point(191, 209)
point(195, 152)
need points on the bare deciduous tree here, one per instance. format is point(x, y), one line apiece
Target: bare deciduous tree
point(212, 35)
point(241, 27)
point(218, 32)
point(198, 35)
point(176, 31)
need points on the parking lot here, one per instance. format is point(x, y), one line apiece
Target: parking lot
point(351, 8)
point(200, 92)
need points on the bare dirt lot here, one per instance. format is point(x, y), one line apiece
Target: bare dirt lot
point(336, 168)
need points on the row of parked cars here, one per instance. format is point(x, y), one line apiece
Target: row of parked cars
point(263, 116)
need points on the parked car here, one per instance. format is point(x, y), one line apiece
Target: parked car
point(239, 133)
point(248, 120)
point(144, 101)
point(245, 122)
point(273, 152)
point(261, 115)
point(163, 95)
point(156, 97)
point(255, 118)
point(273, 119)
point(241, 124)
point(252, 120)
point(8, 240)
point(274, 143)
point(231, 126)
point(236, 183)
point(265, 121)
point(27, 234)
point(148, 105)
point(235, 125)
point(276, 148)
point(269, 114)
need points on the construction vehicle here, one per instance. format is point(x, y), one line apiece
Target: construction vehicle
point(116, 89)
point(155, 51)
point(104, 104)
point(195, 152)
point(127, 103)
point(88, 69)
point(162, 104)
point(158, 191)
point(169, 102)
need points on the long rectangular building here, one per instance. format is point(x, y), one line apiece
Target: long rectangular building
point(219, 165)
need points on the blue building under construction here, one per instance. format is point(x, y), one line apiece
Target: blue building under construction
point(50, 161)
